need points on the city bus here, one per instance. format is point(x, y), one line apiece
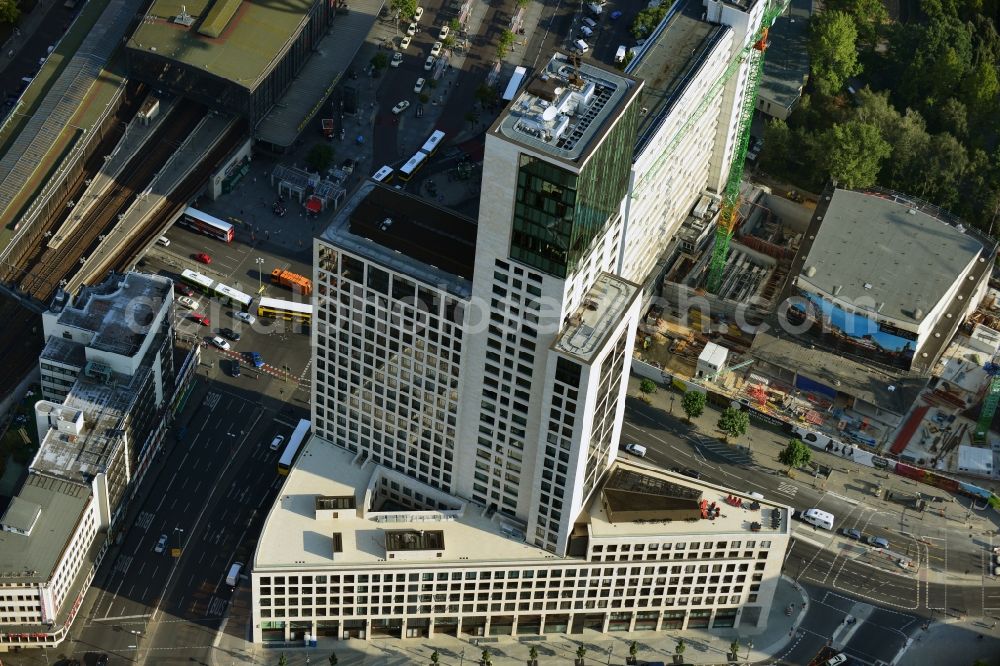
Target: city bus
point(232, 296)
point(274, 308)
point(516, 79)
point(431, 145)
point(202, 283)
point(203, 223)
point(293, 446)
point(412, 166)
point(384, 175)
point(207, 285)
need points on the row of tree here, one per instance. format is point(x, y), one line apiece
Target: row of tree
point(924, 123)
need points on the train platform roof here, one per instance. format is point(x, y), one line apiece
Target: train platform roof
point(246, 47)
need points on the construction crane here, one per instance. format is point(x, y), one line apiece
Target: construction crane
point(726, 370)
point(990, 403)
point(752, 53)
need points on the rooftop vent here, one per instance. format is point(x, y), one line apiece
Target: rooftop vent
point(386, 224)
point(184, 18)
point(811, 271)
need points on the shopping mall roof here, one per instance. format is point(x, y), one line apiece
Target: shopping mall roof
point(874, 252)
point(245, 46)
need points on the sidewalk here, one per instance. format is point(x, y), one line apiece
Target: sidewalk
point(703, 646)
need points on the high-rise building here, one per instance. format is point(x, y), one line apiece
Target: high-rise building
point(108, 377)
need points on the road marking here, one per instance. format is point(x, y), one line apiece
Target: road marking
point(786, 488)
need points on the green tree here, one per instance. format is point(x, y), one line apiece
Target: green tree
point(734, 647)
point(647, 386)
point(533, 653)
point(647, 20)
point(795, 454)
point(403, 8)
point(332, 659)
point(435, 657)
point(853, 153)
point(282, 660)
point(504, 42)
point(943, 166)
point(581, 653)
point(833, 51)
point(693, 404)
point(633, 650)
point(455, 25)
point(680, 647)
point(9, 12)
point(523, 3)
point(733, 422)
point(869, 17)
point(953, 117)
point(471, 117)
point(320, 157)
point(380, 60)
point(487, 658)
point(487, 95)
point(980, 88)
point(777, 146)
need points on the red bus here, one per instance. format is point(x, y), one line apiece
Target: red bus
point(204, 223)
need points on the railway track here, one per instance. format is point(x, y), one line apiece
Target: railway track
point(57, 264)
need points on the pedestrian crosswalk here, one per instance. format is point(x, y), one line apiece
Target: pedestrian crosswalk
point(789, 489)
point(122, 564)
point(145, 519)
point(212, 399)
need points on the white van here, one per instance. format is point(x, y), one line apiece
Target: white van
point(620, 54)
point(164, 241)
point(595, 8)
point(234, 574)
point(818, 518)
point(585, 31)
point(581, 46)
point(636, 449)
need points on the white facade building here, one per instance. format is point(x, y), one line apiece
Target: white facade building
point(113, 345)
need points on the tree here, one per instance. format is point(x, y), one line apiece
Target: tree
point(869, 17)
point(647, 386)
point(471, 117)
point(633, 650)
point(455, 25)
point(693, 404)
point(733, 422)
point(981, 87)
point(734, 647)
point(533, 653)
point(380, 60)
point(680, 647)
point(943, 166)
point(9, 12)
point(647, 20)
point(320, 157)
point(795, 454)
point(435, 657)
point(332, 659)
point(487, 95)
point(505, 41)
point(833, 51)
point(487, 658)
point(523, 3)
point(282, 660)
point(854, 152)
point(581, 653)
point(403, 8)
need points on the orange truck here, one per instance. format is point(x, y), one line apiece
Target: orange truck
point(293, 281)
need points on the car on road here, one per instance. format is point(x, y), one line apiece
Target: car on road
point(878, 542)
point(443, 35)
point(429, 63)
point(201, 319)
point(256, 359)
point(244, 316)
point(851, 533)
point(229, 334)
point(411, 29)
point(203, 257)
point(277, 442)
point(419, 85)
point(161, 544)
point(836, 660)
point(615, 15)
point(693, 473)
point(436, 49)
point(221, 343)
point(402, 106)
point(405, 42)
point(636, 449)
point(183, 289)
point(187, 302)
point(418, 14)
point(397, 59)
point(164, 241)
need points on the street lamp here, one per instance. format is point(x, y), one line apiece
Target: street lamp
point(138, 637)
point(749, 647)
point(179, 538)
point(260, 273)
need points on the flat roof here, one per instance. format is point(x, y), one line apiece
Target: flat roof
point(32, 558)
point(67, 352)
point(250, 42)
point(892, 391)
point(564, 110)
point(597, 317)
point(880, 254)
point(786, 66)
point(315, 81)
point(119, 311)
point(668, 63)
point(428, 242)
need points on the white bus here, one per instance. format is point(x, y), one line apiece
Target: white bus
point(384, 175)
point(194, 219)
point(274, 308)
point(431, 145)
point(292, 449)
point(516, 79)
point(412, 166)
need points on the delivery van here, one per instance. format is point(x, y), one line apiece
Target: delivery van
point(233, 576)
point(818, 518)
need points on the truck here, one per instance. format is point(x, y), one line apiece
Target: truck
point(297, 283)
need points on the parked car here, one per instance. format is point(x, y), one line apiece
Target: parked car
point(235, 370)
point(693, 473)
point(229, 334)
point(220, 343)
point(419, 86)
point(277, 442)
point(397, 59)
point(851, 533)
point(348, 166)
point(244, 316)
point(201, 319)
point(203, 257)
point(436, 49)
point(418, 14)
point(402, 106)
point(636, 449)
point(161, 545)
point(256, 359)
point(405, 42)
point(411, 29)
point(183, 289)
point(429, 63)
point(878, 542)
point(444, 33)
point(187, 302)
point(836, 660)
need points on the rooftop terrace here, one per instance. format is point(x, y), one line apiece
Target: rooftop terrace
point(587, 331)
point(245, 46)
point(409, 234)
point(562, 110)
